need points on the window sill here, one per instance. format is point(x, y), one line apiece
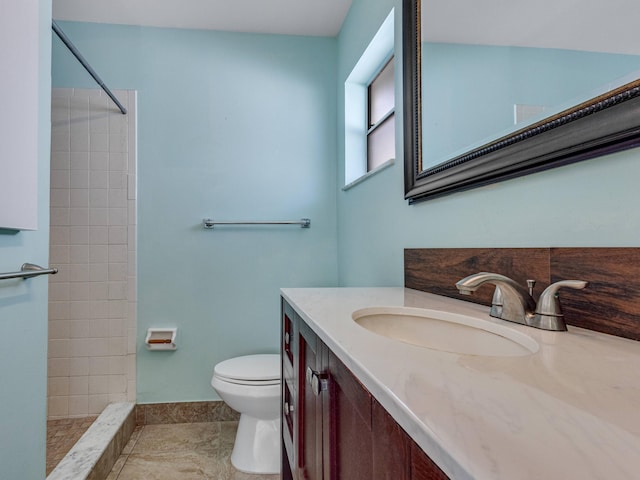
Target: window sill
point(361, 179)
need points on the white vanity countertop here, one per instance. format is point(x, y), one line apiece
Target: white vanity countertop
point(569, 411)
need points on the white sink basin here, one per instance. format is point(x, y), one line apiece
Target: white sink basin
point(444, 331)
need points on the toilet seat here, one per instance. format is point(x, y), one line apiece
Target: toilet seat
point(250, 370)
point(248, 382)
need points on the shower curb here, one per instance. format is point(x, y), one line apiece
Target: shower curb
point(93, 456)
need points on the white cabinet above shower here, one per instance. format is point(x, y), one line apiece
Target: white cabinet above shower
point(19, 115)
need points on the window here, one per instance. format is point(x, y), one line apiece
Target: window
point(381, 136)
point(369, 107)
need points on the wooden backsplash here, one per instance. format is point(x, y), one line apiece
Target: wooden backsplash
point(610, 304)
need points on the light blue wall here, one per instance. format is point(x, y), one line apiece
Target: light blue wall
point(236, 127)
point(23, 310)
point(592, 203)
point(472, 89)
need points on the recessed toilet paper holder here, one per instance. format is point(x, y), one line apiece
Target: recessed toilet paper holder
point(161, 338)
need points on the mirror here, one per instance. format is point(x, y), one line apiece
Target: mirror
point(494, 90)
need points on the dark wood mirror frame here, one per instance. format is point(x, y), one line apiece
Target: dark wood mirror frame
point(602, 125)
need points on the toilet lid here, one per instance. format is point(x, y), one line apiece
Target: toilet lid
point(258, 368)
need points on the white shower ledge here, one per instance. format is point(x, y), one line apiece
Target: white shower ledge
point(570, 410)
point(82, 459)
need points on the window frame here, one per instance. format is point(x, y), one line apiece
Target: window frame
point(372, 127)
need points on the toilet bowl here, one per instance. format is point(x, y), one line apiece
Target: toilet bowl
point(251, 386)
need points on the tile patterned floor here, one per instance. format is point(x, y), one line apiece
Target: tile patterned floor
point(62, 435)
point(185, 451)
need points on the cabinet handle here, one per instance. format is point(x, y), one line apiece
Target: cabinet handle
point(286, 338)
point(288, 408)
point(318, 381)
point(318, 385)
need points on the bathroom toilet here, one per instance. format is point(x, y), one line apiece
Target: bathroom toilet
point(251, 385)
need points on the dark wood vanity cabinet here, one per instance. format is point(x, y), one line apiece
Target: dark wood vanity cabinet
point(332, 427)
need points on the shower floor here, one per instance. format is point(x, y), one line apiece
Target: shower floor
point(62, 434)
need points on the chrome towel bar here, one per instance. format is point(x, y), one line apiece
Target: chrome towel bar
point(303, 222)
point(29, 270)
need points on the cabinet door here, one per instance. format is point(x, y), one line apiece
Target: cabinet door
point(422, 467)
point(350, 433)
point(19, 57)
point(391, 447)
point(310, 371)
point(289, 391)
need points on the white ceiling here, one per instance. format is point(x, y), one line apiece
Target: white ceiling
point(293, 17)
point(595, 25)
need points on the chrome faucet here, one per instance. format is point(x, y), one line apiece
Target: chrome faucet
point(513, 302)
point(516, 302)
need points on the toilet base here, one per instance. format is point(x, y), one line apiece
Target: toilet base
point(257, 445)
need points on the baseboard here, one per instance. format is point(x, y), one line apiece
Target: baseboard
point(184, 412)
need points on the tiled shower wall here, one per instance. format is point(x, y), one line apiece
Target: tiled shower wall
point(92, 300)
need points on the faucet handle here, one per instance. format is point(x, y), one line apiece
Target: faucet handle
point(548, 314)
point(549, 303)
